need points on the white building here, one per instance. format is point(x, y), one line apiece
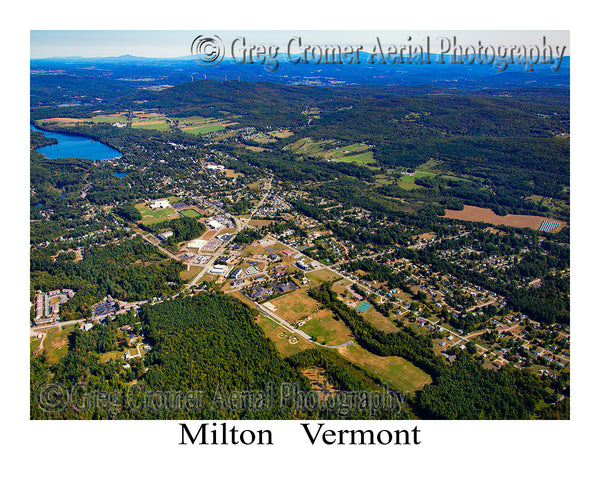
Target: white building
point(162, 203)
point(219, 269)
point(213, 167)
point(214, 224)
point(163, 236)
point(197, 243)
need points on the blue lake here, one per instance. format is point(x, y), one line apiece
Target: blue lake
point(74, 146)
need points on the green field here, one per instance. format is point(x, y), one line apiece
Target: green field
point(56, 342)
point(150, 217)
point(210, 128)
point(189, 212)
point(323, 275)
point(295, 305)
point(400, 373)
point(360, 158)
point(325, 329)
point(162, 126)
point(109, 119)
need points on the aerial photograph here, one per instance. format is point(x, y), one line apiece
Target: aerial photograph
point(299, 225)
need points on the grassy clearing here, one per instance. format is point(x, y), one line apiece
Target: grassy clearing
point(295, 306)
point(400, 373)
point(281, 337)
point(323, 275)
point(324, 328)
point(188, 275)
point(56, 343)
point(160, 126)
point(360, 158)
point(210, 128)
point(379, 321)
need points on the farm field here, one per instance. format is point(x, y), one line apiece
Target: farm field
point(364, 158)
point(400, 373)
point(160, 125)
point(478, 214)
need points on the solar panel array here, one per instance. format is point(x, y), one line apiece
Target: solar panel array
point(548, 226)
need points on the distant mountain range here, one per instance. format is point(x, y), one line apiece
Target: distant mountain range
point(182, 69)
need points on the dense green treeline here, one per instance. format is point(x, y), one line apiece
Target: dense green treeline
point(39, 139)
point(211, 343)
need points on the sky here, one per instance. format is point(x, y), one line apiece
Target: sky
point(177, 43)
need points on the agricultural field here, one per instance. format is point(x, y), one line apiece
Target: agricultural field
point(364, 158)
point(478, 214)
point(159, 125)
point(282, 134)
point(331, 149)
point(201, 125)
point(400, 373)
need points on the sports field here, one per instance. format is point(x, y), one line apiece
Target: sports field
point(189, 212)
point(295, 305)
point(150, 216)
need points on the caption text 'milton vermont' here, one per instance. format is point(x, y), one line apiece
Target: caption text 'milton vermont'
point(316, 434)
